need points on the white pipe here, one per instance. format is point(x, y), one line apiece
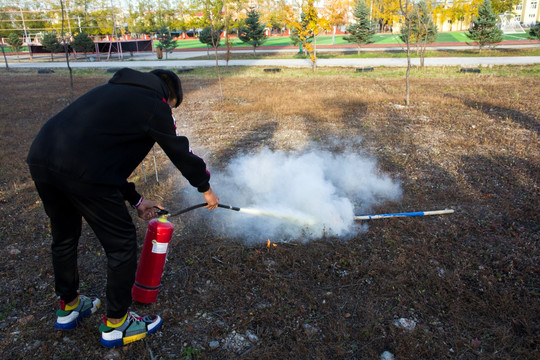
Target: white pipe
point(420, 213)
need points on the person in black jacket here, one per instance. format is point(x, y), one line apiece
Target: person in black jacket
point(80, 162)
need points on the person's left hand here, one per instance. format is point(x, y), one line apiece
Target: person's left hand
point(147, 209)
point(212, 200)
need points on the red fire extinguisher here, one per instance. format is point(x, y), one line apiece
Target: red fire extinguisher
point(153, 257)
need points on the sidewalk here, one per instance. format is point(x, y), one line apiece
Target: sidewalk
point(181, 58)
point(294, 63)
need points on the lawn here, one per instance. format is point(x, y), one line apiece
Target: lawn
point(381, 39)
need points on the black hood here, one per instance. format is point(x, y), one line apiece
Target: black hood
point(127, 76)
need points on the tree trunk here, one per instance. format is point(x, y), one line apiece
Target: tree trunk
point(218, 73)
point(314, 61)
point(5, 58)
point(228, 45)
point(315, 46)
point(66, 52)
point(407, 76)
point(422, 54)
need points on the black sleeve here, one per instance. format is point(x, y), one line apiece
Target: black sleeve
point(130, 194)
point(192, 167)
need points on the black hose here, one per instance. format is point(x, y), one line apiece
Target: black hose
point(165, 212)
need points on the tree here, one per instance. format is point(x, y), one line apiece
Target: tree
point(484, 27)
point(253, 32)
point(4, 54)
point(405, 11)
point(300, 34)
point(230, 22)
point(278, 15)
point(336, 13)
point(51, 43)
point(360, 32)
point(82, 43)
point(534, 32)
point(387, 11)
point(306, 30)
point(503, 6)
point(14, 42)
point(213, 18)
point(166, 41)
point(423, 30)
point(210, 37)
point(457, 13)
point(66, 51)
point(142, 17)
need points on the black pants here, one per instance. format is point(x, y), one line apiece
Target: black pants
point(111, 222)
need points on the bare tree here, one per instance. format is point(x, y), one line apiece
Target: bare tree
point(404, 6)
point(212, 13)
point(4, 53)
point(66, 51)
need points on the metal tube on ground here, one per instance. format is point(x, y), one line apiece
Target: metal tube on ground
point(407, 214)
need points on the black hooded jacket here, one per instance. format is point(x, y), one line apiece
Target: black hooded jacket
point(95, 143)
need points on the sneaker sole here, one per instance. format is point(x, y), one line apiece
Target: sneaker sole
point(129, 339)
point(73, 324)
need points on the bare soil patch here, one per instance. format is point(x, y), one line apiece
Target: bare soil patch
point(470, 281)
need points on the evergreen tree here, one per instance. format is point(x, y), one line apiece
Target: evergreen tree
point(360, 32)
point(82, 43)
point(484, 27)
point(50, 43)
point(14, 42)
point(300, 34)
point(423, 30)
point(210, 37)
point(166, 41)
point(534, 32)
point(253, 32)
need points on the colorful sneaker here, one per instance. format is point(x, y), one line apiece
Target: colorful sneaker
point(132, 329)
point(68, 319)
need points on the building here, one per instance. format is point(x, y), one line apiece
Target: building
point(528, 12)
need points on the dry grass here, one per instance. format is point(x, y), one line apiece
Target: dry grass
point(470, 280)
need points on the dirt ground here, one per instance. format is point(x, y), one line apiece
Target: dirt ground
point(469, 281)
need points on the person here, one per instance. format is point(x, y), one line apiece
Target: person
point(80, 161)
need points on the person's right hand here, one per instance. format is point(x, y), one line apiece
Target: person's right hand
point(211, 198)
point(147, 209)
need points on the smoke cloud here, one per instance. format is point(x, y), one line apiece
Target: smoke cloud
point(302, 195)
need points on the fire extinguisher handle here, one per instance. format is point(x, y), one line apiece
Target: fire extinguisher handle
point(161, 212)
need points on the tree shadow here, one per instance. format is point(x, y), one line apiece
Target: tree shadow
point(524, 120)
point(335, 132)
point(253, 139)
point(507, 190)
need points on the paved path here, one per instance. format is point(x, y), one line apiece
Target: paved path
point(184, 59)
point(298, 63)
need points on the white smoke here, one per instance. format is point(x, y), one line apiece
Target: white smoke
point(304, 195)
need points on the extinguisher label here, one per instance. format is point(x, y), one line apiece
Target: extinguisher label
point(159, 248)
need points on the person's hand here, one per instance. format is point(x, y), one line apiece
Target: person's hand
point(147, 209)
point(211, 199)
